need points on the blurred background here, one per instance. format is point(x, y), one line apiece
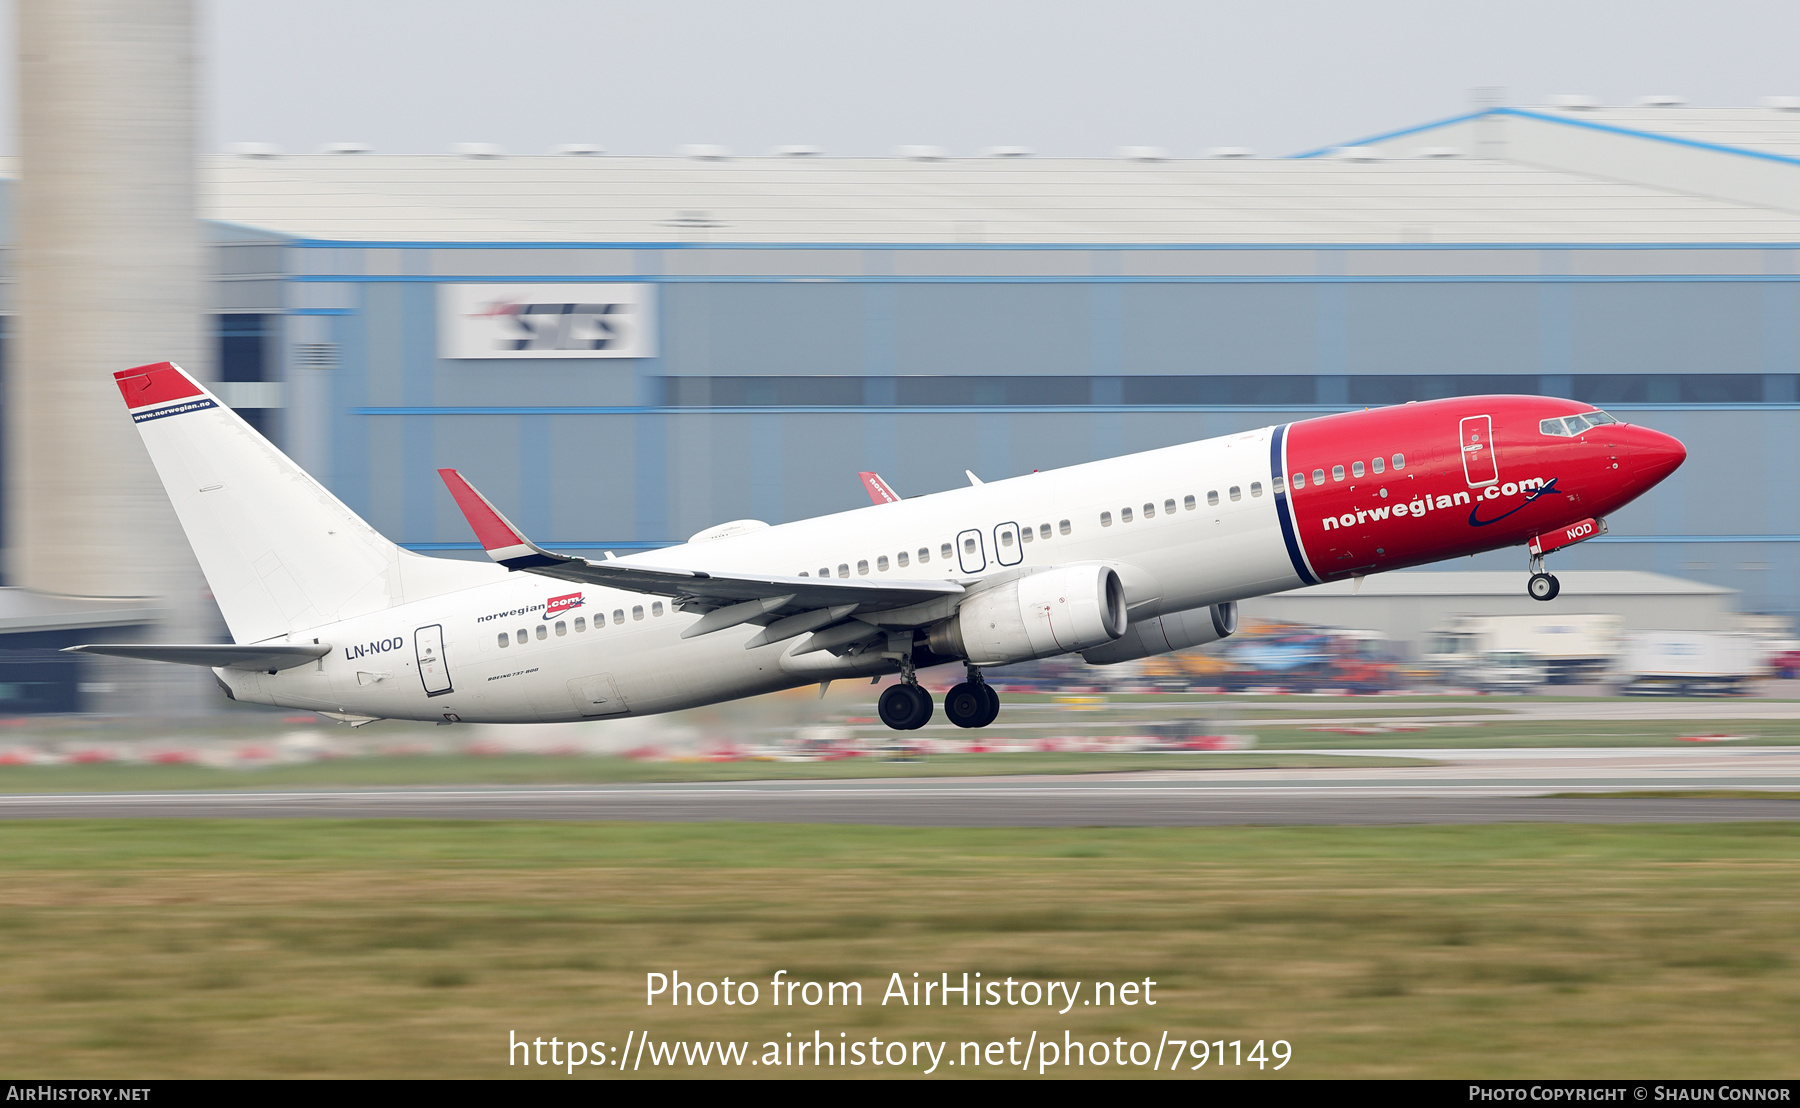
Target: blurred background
point(1186, 222)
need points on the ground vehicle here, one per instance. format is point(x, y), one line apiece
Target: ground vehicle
point(1677, 663)
point(1506, 671)
point(1784, 660)
point(1185, 669)
point(1300, 658)
point(1568, 649)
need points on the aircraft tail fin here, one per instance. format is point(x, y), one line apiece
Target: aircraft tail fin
point(280, 552)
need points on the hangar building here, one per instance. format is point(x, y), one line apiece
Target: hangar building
point(622, 351)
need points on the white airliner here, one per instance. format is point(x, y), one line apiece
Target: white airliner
point(1114, 560)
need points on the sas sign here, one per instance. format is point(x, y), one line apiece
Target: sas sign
point(546, 321)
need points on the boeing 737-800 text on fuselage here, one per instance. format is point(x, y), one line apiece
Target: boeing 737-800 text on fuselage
point(1113, 560)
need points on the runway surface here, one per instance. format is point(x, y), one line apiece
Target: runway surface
point(944, 806)
point(1468, 786)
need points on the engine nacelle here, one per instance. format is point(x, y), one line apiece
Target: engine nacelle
point(1175, 631)
point(1057, 611)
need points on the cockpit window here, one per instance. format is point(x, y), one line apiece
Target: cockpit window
point(1570, 426)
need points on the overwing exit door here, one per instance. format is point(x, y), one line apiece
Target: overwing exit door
point(1480, 466)
point(428, 645)
point(1007, 550)
point(971, 552)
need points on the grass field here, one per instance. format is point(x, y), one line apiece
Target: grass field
point(284, 948)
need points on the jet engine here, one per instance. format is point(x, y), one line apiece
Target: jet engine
point(1056, 611)
point(1174, 631)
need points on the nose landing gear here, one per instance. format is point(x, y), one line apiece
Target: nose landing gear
point(1541, 586)
point(1544, 586)
point(905, 707)
point(974, 703)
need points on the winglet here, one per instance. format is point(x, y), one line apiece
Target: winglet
point(158, 383)
point(503, 542)
point(879, 491)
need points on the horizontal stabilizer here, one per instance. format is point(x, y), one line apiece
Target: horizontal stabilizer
point(265, 656)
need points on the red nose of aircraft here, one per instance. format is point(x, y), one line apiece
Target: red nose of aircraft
point(1650, 455)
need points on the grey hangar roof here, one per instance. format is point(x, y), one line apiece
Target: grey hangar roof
point(1618, 176)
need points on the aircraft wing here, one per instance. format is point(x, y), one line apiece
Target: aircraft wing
point(264, 656)
point(801, 592)
point(728, 598)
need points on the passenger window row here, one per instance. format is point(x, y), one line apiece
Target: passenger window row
point(1043, 531)
point(561, 627)
point(1377, 467)
point(945, 552)
point(1188, 503)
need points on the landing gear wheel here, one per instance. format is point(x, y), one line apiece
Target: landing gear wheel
point(967, 705)
point(922, 699)
point(905, 707)
point(1543, 586)
point(993, 705)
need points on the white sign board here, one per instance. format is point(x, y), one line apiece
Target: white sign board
point(547, 321)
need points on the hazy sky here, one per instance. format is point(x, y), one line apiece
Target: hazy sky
point(1062, 77)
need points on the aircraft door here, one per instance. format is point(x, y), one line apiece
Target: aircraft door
point(434, 671)
point(971, 552)
point(1480, 466)
point(1007, 550)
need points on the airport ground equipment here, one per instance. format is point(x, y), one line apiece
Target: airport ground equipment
point(1687, 663)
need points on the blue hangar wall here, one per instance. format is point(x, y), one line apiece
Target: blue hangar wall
point(780, 371)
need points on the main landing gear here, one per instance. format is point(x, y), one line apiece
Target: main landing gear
point(974, 703)
point(907, 707)
point(1542, 586)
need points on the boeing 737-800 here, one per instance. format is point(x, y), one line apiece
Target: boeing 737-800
point(1113, 560)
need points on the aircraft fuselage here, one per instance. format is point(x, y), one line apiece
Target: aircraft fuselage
point(1185, 527)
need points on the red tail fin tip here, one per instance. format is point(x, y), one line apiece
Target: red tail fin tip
point(158, 383)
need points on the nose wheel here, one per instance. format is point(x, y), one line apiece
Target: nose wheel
point(974, 703)
point(1542, 586)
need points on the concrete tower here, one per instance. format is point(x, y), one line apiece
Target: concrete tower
point(109, 271)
